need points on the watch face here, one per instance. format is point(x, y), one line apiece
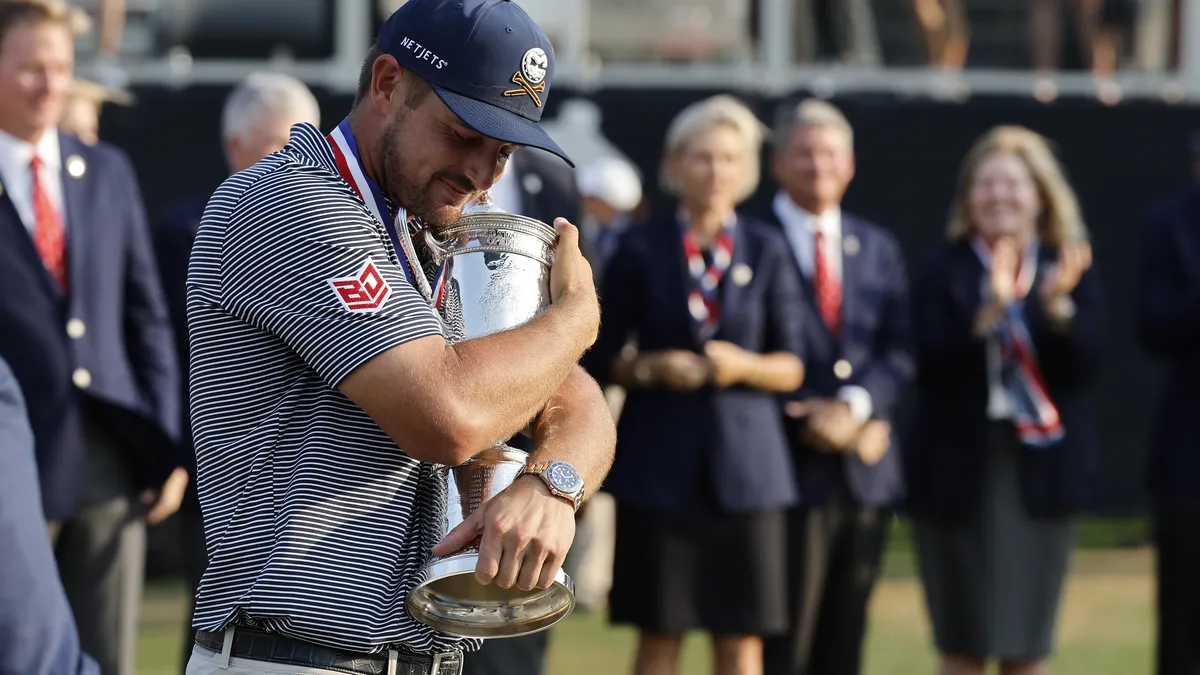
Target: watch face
point(564, 477)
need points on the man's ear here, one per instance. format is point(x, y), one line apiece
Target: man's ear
point(387, 81)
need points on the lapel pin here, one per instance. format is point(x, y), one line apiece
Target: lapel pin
point(850, 245)
point(742, 274)
point(1, 189)
point(532, 183)
point(76, 166)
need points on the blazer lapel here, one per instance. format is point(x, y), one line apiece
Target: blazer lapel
point(76, 180)
point(23, 239)
point(852, 268)
point(675, 278)
point(821, 340)
point(735, 279)
point(806, 283)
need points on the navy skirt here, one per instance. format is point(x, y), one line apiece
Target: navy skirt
point(700, 570)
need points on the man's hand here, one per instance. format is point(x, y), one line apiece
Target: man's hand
point(730, 363)
point(526, 534)
point(831, 426)
point(873, 442)
point(164, 502)
point(571, 278)
point(678, 369)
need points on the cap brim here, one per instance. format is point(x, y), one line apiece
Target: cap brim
point(500, 124)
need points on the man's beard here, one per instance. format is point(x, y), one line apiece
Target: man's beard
point(412, 197)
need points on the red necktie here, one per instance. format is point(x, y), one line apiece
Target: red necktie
point(48, 230)
point(828, 289)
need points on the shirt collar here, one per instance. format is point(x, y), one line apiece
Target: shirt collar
point(22, 152)
point(794, 215)
point(681, 217)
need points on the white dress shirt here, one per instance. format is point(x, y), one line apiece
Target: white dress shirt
point(801, 228)
point(17, 179)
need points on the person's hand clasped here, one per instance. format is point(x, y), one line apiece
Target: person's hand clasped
point(164, 502)
point(526, 532)
point(730, 363)
point(874, 440)
point(679, 369)
point(1003, 278)
point(831, 426)
point(1074, 258)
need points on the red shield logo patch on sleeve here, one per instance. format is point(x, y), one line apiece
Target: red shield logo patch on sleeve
point(364, 292)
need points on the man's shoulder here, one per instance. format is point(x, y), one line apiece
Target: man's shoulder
point(870, 228)
point(767, 233)
point(283, 185)
point(102, 161)
point(874, 237)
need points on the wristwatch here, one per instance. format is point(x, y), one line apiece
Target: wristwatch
point(562, 479)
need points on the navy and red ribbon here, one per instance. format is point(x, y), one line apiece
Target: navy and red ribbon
point(349, 164)
point(704, 299)
point(1035, 415)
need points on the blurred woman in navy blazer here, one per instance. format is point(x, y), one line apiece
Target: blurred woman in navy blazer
point(701, 323)
point(1008, 322)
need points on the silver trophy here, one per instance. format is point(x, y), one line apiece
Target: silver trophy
point(496, 277)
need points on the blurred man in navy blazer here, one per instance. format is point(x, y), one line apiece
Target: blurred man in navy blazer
point(86, 333)
point(256, 120)
point(858, 361)
point(1169, 323)
point(37, 633)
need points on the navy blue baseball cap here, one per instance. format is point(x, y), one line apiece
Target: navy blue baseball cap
point(486, 59)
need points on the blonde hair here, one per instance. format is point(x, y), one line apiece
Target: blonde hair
point(810, 112)
point(720, 110)
point(1060, 220)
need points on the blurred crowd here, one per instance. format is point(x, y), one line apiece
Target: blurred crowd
point(756, 362)
point(1096, 35)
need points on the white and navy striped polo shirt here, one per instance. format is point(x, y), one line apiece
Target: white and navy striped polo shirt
point(317, 524)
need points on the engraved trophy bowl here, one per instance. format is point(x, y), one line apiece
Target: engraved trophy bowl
point(496, 276)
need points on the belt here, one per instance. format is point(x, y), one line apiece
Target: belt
point(259, 646)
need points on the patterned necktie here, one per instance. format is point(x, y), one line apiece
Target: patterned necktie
point(48, 236)
point(828, 289)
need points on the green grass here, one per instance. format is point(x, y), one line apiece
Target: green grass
point(1105, 628)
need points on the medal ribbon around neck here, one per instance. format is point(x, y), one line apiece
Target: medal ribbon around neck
point(349, 164)
point(1035, 414)
point(704, 303)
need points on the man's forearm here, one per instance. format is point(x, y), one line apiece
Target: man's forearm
point(775, 372)
point(577, 427)
point(508, 377)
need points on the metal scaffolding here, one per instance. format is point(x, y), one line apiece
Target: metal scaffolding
point(771, 72)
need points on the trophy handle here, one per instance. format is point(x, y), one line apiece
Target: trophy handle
point(436, 250)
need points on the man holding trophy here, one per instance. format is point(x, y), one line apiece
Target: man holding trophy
point(360, 349)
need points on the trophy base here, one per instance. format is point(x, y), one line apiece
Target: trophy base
point(452, 601)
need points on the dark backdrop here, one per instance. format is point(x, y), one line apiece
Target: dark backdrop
point(1120, 159)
